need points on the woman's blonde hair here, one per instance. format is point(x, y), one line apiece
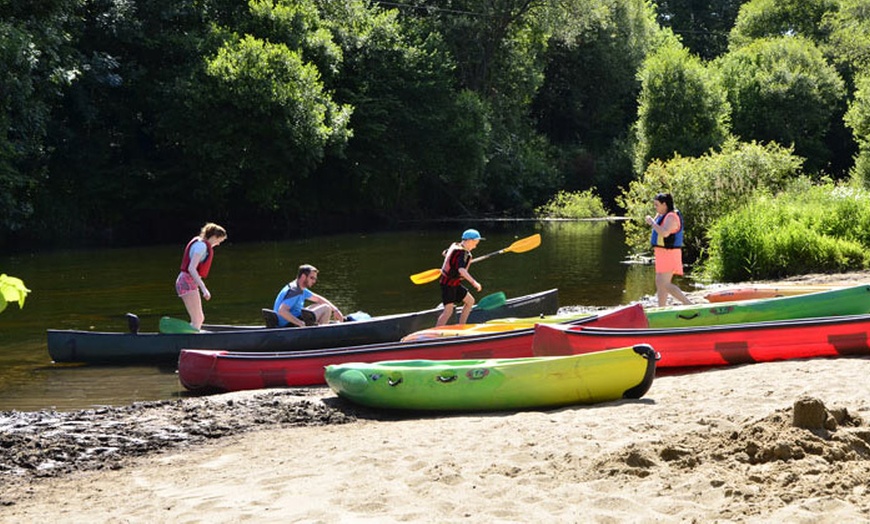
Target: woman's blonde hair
point(212, 230)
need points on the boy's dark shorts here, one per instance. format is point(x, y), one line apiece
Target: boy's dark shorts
point(452, 294)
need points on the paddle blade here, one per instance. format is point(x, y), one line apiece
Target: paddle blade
point(492, 301)
point(524, 244)
point(426, 276)
point(175, 326)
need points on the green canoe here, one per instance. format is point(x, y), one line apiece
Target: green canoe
point(497, 384)
point(853, 300)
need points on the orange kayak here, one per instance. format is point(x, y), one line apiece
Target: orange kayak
point(754, 292)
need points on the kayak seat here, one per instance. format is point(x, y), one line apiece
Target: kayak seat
point(308, 317)
point(133, 323)
point(271, 317)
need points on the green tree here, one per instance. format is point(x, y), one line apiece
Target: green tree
point(759, 19)
point(112, 168)
point(588, 99)
point(848, 43)
point(702, 26)
point(783, 89)
point(419, 143)
point(36, 61)
point(683, 110)
point(858, 119)
point(262, 120)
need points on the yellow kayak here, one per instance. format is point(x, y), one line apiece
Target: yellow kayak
point(496, 326)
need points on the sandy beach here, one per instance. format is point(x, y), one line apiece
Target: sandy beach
point(774, 442)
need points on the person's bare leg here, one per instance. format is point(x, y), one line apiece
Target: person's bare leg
point(445, 315)
point(662, 281)
point(665, 287)
point(322, 313)
point(678, 293)
point(193, 304)
point(467, 304)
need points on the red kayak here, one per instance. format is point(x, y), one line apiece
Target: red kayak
point(718, 345)
point(224, 370)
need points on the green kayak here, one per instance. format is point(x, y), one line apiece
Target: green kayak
point(497, 384)
point(853, 300)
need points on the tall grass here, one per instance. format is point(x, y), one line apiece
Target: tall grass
point(804, 229)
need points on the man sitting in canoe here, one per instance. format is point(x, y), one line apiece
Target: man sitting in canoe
point(291, 299)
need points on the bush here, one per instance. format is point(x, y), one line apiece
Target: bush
point(579, 204)
point(822, 228)
point(706, 188)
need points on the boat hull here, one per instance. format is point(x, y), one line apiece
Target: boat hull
point(124, 348)
point(853, 300)
point(718, 345)
point(755, 292)
point(497, 384)
point(233, 371)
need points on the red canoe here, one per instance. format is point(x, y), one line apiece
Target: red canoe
point(718, 345)
point(224, 370)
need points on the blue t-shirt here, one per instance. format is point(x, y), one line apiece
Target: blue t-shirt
point(294, 298)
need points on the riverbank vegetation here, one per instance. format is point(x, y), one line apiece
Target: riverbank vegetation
point(804, 229)
point(135, 122)
point(573, 204)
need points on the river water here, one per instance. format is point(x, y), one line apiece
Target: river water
point(93, 289)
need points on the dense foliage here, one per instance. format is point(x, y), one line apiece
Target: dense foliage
point(782, 89)
point(576, 204)
point(138, 121)
point(804, 229)
point(682, 110)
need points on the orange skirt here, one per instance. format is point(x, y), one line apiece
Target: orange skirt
point(669, 260)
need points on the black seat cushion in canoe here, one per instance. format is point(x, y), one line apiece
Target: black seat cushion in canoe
point(308, 317)
point(271, 317)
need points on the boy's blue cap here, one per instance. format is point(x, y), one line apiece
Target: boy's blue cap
point(471, 234)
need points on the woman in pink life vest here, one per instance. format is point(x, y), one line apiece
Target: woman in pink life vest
point(195, 265)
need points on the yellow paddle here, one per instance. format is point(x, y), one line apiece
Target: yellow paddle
point(520, 246)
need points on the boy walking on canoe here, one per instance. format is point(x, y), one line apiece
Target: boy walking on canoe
point(457, 258)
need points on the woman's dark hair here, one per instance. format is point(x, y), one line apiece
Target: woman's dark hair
point(667, 200)
point(306, 269)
